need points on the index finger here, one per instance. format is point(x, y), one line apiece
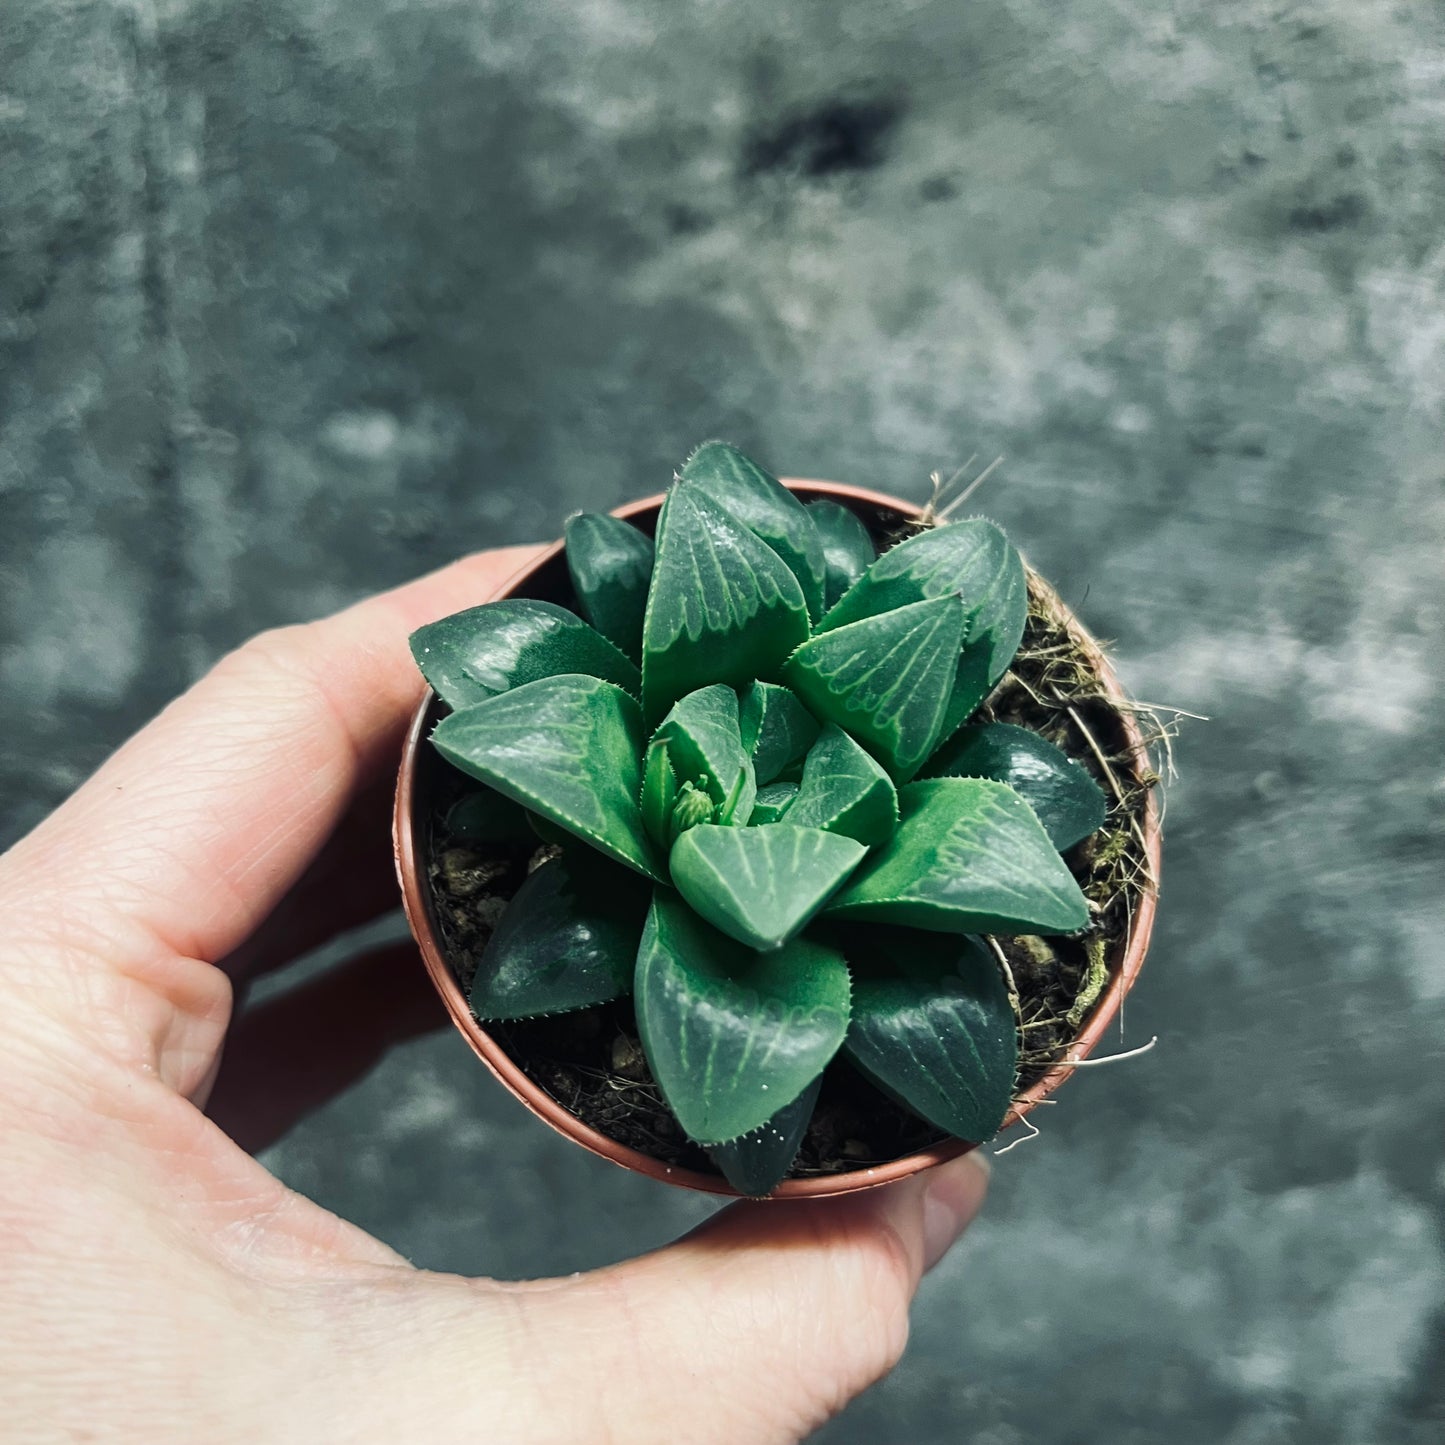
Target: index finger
point(198, 825)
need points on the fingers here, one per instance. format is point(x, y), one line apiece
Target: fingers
point(757, 1327)
point(286, 1057)
point(194, 831)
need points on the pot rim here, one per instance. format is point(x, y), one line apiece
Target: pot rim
point(416, 900)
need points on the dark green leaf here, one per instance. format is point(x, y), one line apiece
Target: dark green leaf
point(485, 816)
point(772, 802)
point(569, 748)
point(970, 559)
point(473, 655)
point(886, 679)
point(659, 793)
point(845, 791)
point(568, 940)
point(705, 747)
point(969, 857)
point(761, 885)
point(758, 1161)
point(932, 1026)
point(971, 684)
point(848, 550)
point(761, 502)
point(777, 729)
point(733, 1036)
point(1069, 803)
point(723, 606)
point(611, 565)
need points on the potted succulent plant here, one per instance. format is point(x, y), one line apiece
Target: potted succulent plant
point(741, 831)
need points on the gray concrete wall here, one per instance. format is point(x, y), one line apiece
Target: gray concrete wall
point(299, 298)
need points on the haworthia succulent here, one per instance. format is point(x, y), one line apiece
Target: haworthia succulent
point(733, 1036)
point(473, 655)
point(1069, 803)
point(568, 748)
point(932, 1025)
point(763, 504)
point(610, 563)
point(886, 678)
point(969, 856)
point(724, 607)
point(761, 885)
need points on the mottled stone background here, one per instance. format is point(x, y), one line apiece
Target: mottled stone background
point(300, 297)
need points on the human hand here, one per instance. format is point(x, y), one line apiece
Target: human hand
point(160, 1285)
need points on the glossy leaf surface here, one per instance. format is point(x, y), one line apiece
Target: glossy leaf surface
point(972, 560)
point(705, 746)
point(756, 1162)
point(773, 802)
point(610, 562)
point(845, 791)
point(723, 606)
point(761, 885)
point(969, 856)
point(473, 655)
point(659, 793)
point(932, 1025)
point(568, 748)
point(1068, 802)
point(886, 679)
point(777, 729)
point(568, 940)
point(848, 550)
point(733, 1036)
point(761, 502)
point(485, 816)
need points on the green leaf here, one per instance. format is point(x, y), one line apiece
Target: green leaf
point(886, 679)
point(845, 791)
point(705, 747)
point(761, 885)
point(971, 684)
point(567, 940)
point(969, 857)
point(733, 1036)
point(1068, 802)
point(761, 502)
point(611, 565)
point(485, 816)
point(722, 607)
point(848, 550)
point(971, 559)
point(932, 1026)
point(773, 802)
point(758, 1161)
point(569, 748)
point(473, 655)
point(659, 793)
point(777, 729)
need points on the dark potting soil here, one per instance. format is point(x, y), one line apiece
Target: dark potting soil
point(592, 1063)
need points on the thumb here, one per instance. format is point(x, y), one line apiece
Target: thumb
point(754, 1328)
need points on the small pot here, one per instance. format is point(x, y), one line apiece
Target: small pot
point(546, 578)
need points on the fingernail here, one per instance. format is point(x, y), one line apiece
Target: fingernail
point(952, 1197)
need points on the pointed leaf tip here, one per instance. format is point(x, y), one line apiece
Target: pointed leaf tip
point(969, 856)
point(733, 1036)
point(886, 679)
point(761, 885)
point(722, 607)
point(568, 748)
point(765, 506)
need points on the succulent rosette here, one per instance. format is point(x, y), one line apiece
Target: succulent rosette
point(779, 830)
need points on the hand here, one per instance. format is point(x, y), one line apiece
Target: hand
point(160, 1285)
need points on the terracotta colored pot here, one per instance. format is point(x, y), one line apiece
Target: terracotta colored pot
point(546, 578)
